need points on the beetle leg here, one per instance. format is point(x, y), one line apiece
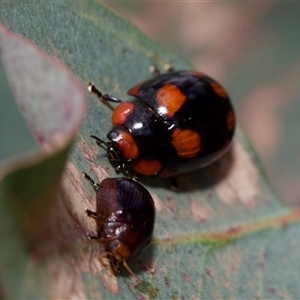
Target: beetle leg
point(108, 265)
point(111, 98)
point(169, 68)
point(135, 177)
point(90, 180)
point(92, 237)
point(112, 265)
point(174, 184)
point(154, 70)
point(124, 169)
point(128, 269)
point(106, 97)
point(91, 214)
point(118, 169)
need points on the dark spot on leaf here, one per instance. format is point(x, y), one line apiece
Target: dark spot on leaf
point(261, 264)
point(170, 203)
point(169, 239)
point(141, 297)
point(38, 136)
point(210, 195)
point(272, 290)
point(131, 286)
point(143, 268)
point(209, 273)
point(186, 278)
point(167, 282)
point(233, 230)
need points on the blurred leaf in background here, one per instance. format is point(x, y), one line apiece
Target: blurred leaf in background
point(42, 100)
point(15, 135)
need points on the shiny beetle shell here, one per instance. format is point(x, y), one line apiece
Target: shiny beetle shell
point(125, 217)
point(183, 121)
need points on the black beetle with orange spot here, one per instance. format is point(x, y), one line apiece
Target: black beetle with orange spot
point(183, 121)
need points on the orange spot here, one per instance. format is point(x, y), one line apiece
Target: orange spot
point(148, 167)
point(134, 91)
point(121, 113)
point(186, 142)
point(170, 99)
point(230, 120)
point(127, 145)
point(218, 90)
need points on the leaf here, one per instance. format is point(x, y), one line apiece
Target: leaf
point(224, 235)
point(29, 182)
point(14, 134)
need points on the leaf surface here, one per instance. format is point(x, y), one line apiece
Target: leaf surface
point(225, 234)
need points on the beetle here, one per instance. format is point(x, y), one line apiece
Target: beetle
point(125, 217)
point(183, 121)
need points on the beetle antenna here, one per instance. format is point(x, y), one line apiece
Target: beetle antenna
point(99, 141)
point(106, 97)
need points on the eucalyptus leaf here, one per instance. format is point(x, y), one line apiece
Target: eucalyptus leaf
point(224, 234)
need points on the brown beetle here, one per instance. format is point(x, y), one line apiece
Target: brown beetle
point(125, 216)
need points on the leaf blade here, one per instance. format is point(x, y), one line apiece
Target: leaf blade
point(222, 199)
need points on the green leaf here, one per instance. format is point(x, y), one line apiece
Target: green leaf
point(14, 134)
point(29, 182)
point(224, 235)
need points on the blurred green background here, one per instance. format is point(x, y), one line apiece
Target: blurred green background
point(253, 49)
